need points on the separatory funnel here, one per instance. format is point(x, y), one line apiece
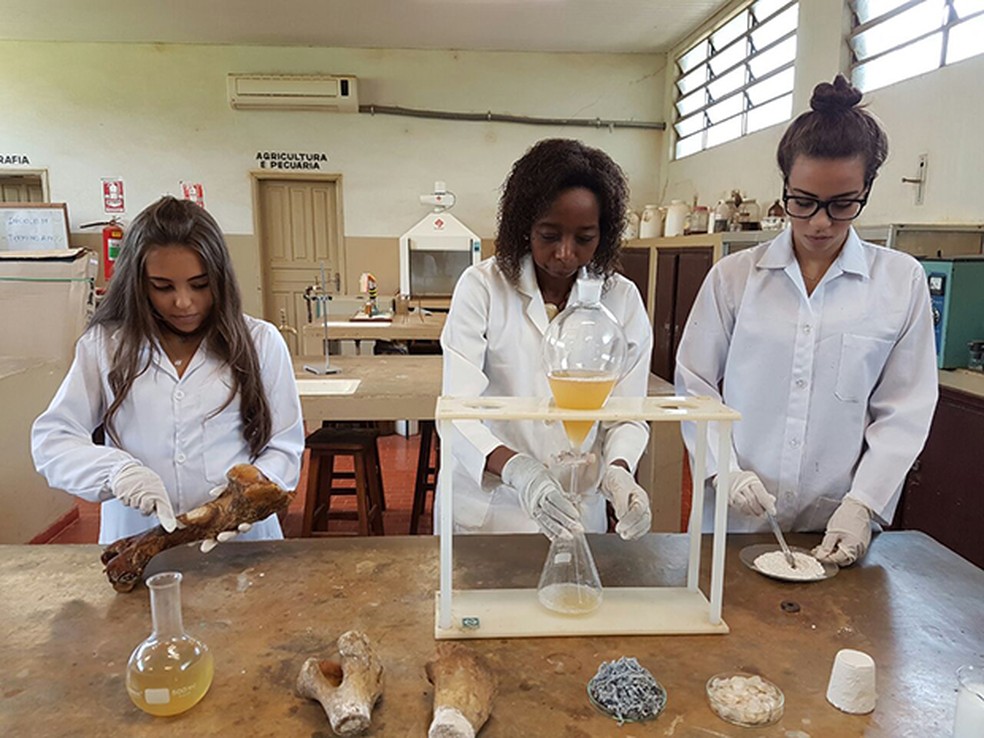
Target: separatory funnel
point(584, 351)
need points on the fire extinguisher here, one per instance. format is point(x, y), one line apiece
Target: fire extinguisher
point(112, 239)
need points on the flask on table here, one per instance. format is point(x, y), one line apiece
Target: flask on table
point(170, 671)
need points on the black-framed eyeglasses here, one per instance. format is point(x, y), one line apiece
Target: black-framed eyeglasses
point(803, 206)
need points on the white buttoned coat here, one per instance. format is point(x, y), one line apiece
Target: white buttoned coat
point(167, 424)
point(836, 389)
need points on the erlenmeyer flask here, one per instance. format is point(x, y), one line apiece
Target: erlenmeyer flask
point(569, 583)
point(583, 354)
point(170, 671)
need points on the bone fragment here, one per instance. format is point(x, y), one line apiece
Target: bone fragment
point(464, 688)
point(248, 497)
point(347, 690)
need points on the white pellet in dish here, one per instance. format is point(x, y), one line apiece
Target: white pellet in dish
point(774, 564)
point(745, 700)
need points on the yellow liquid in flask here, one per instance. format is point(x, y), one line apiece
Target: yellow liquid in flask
point(169, 676)
point(580, 389)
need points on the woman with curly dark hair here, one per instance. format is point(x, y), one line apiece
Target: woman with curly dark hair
point(823, 343)
point(562, 209)
point(184, 384)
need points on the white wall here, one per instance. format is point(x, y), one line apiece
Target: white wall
point(158, 114)
point(938, 113)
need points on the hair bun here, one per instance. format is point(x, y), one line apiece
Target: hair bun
point(835, 98)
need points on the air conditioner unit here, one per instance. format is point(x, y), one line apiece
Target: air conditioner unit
point(293, 92)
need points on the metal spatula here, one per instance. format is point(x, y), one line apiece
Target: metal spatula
point(790, 559)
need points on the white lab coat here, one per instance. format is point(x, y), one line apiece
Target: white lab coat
point(491, 343)
point(166, 424)
point(836, 389)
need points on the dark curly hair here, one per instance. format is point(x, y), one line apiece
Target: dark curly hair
point(836, 128)
point(547, 169)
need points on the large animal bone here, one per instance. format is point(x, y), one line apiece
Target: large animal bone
point(248, 498)
point(348, 690)
point(464, 688)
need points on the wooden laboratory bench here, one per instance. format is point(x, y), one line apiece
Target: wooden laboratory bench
point(406, 387)
point(391, 387)
point(411, 327)
point(263, 608)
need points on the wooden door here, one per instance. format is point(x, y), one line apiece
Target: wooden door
point(21, 187)
point(299, 222)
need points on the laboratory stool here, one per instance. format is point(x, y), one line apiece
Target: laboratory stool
point(349, 425)
point(426, 472)
point(323, 485)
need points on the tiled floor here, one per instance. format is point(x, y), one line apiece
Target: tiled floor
point(398, 456)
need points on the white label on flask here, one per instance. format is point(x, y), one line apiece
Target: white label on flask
point(159, 696)
point(562, 558)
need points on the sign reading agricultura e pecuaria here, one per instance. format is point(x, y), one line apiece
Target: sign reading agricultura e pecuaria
point(290, 160)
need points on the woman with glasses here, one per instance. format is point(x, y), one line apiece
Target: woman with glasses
point(822, 341)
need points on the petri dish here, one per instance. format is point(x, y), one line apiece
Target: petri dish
point(749, 554)
point(743, 699)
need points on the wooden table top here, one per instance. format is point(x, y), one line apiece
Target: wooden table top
point(412, 327)
point(391, 387)
point(963, 380)
point(264, 607)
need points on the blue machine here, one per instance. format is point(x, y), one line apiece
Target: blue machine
point(956, 290)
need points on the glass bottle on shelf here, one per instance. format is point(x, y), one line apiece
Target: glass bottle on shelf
point(170, 671)
point(584, 351)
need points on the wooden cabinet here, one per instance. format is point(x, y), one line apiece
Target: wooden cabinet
point(944, 492)
point(669, 273)
point(679, 275)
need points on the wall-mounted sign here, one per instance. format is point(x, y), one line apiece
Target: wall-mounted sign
point(113, 195)
point(194, 191)
point(289, 160)
point(14, 159)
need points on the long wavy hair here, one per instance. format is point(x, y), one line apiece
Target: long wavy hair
point(835, 127)
point(166, 223)
point(549, 168)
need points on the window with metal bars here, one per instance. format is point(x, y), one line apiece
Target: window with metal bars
point(738, 78)
point(892, 40)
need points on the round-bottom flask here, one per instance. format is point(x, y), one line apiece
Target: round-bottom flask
point(170, 671)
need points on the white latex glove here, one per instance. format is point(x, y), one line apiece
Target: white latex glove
point(630, 501)
point(227, 535)
point(541, 497)
point(138, 487)
point(848, 534)
point(749, 496)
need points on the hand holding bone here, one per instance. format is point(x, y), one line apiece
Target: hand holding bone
point(138, 487)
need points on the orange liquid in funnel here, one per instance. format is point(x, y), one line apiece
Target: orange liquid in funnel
point(580, 389)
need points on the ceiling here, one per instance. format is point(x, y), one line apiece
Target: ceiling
point(606, 26)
